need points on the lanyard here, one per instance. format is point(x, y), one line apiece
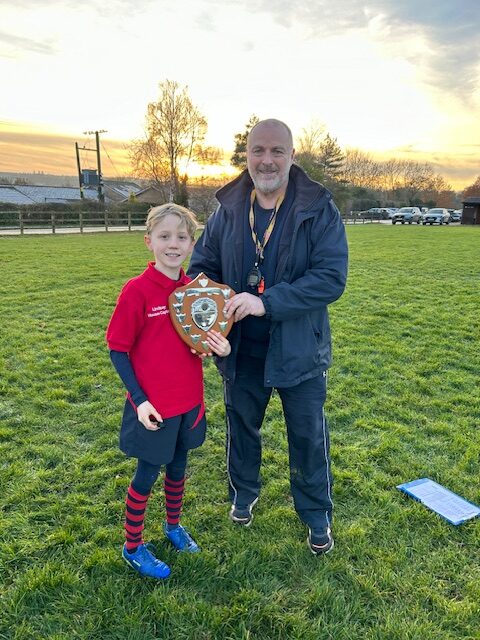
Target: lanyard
point(260, 246)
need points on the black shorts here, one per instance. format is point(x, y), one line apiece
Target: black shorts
point(186, 431)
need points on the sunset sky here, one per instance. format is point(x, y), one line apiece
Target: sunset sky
point(400, 78)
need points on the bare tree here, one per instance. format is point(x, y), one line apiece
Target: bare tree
point(174, 132)
point(148, 162)
point(416, 177)
point(360, 169)
point(202, 196)
point(309, 152)
point(472, 190)
point(391, 171)
point(440, 193)
point(309, 143)
point(208, 155)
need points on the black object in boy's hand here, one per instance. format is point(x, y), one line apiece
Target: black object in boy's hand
point(156, 422)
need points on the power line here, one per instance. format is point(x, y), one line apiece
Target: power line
point(111, 161)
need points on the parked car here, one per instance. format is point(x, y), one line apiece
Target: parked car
point(456, 216)
point(377, 213)
point(407, 214)
point(436, 216)
point(391, 211)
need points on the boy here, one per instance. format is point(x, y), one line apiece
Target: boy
point(164, 414)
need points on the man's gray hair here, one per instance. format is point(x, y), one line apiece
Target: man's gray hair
point(275, 122)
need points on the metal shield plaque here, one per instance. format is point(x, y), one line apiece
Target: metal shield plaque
point(197, 308)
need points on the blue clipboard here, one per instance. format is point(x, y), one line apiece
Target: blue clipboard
point(447, 504)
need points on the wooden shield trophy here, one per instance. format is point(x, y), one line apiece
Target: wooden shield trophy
point(197, 308)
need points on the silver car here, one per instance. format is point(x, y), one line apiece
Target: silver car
point(407, 214)
point(437, 215)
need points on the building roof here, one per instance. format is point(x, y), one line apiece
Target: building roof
point(12, 195)
point(37, 194)
point(472, 200)
point(150, 189)
point(42, 194)
point(123, 189)
point(119, 191)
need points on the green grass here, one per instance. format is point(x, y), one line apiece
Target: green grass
point(403, 403)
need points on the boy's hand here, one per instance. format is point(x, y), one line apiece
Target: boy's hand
point(202, 356)
point(144, 413)
point(218, 343)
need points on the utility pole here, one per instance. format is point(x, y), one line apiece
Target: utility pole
point(101, 197)
point(80, 177)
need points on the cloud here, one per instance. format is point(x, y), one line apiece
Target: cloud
point(11, 45)
point(460, 172)
point(113, 7)
point(14, 43)
point(247, 46)
point(205, 21)
point(25, 151)
point(450, 31)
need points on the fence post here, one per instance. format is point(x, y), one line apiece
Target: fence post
point(80, 221)
point(106, 221)
point(53, 222)
point(129, 220)
point(20, 221)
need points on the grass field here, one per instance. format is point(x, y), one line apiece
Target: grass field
point(403, 403)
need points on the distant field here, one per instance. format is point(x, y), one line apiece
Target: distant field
point(403, 403)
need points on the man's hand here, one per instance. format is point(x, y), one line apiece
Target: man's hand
point(242, 305)
point(144, 411)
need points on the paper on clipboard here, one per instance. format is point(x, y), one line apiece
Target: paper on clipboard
point(447, 504)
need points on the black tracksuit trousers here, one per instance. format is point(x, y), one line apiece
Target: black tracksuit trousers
point(308, 443)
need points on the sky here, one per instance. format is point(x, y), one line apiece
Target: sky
point(398, 78)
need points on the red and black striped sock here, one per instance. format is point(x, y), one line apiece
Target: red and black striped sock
point(174, 490)
point(134, 518)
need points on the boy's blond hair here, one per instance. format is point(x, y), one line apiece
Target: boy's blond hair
point(156, 214)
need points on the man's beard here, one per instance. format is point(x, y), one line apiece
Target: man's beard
point(267, 186)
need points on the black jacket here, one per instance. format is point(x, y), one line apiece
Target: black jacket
point(310, 274)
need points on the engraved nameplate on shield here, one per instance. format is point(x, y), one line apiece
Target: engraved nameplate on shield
point(197, 308)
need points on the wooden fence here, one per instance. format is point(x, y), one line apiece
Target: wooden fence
point(353, 218)
point(79, 221)
point(21, 222)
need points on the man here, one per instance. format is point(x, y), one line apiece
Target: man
point(278, 240)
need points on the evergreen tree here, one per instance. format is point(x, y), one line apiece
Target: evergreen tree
point(311, 165)
point(239, 157)
point(321, 157)
point(331, 158)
